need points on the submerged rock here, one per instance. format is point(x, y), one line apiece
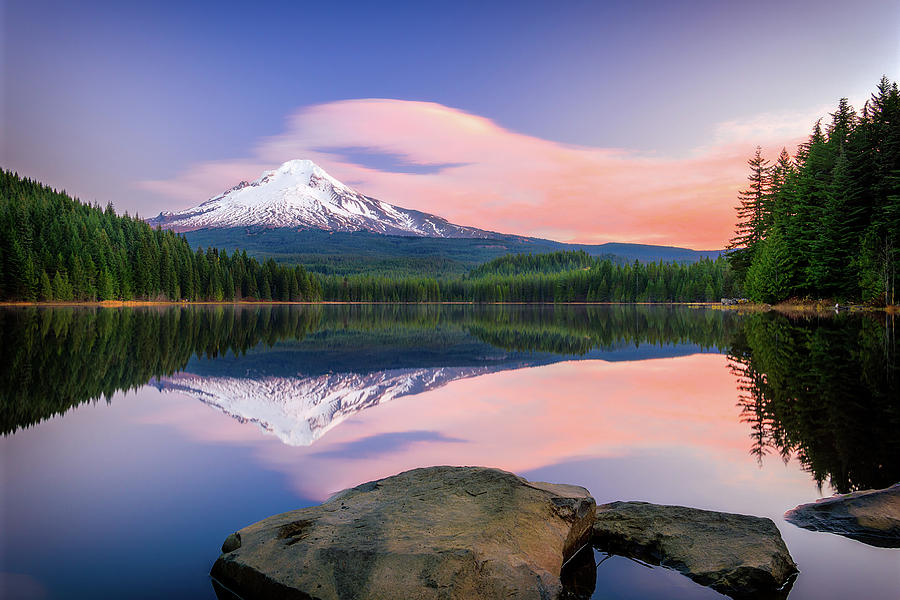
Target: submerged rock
point(738, 555)
point(438, 532)
point(871, 516)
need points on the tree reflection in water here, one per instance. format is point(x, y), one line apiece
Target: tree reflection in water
point(824, 390)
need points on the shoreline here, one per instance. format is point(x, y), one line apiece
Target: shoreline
point(788, 308)
point(812, 307)
point(130, 303)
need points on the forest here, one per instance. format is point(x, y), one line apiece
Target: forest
point(55, 248)
point(567, 276)
point(825, 223)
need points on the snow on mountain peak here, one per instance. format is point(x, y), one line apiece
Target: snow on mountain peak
point(301, 166)
point(298, 164)
point(302, 170)
point(300, 194)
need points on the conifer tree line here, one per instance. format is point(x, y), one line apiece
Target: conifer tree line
point(55, 248)
point(825, 223)
point(549, 262)
point(537, 278)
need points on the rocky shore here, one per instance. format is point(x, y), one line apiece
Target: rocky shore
point(477, 533)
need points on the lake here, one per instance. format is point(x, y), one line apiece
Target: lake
point(136, 439)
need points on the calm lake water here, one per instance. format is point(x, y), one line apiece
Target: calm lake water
point(135, 440)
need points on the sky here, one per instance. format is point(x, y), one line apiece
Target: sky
point(576, 121)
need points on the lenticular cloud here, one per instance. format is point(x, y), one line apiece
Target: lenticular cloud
point(496, 179)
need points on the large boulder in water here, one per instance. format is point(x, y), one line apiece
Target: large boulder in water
point(738, 555)
point(871, 516)
point(432, 533)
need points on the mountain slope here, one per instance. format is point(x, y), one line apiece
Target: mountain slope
point(346, 253)
point(300, 195)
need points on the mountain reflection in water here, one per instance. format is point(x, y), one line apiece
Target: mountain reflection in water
point(823, 390)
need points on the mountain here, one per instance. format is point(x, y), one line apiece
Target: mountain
point(301, 195)
point(300, 214)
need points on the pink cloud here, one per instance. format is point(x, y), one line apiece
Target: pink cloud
point(502, 180)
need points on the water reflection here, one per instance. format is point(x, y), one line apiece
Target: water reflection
point(634, 403)
point(57, 358)
point(824, 390)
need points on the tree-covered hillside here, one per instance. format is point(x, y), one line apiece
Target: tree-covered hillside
point(553, 277)
point(53, 247)
point(826, 222)
point(347, 253)
point(550, 262)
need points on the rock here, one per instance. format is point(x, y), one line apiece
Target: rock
point(438, 532)
point(232, 542)
point(737, 555)
point(871, 516)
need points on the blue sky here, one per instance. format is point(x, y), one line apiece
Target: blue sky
point(99, 96)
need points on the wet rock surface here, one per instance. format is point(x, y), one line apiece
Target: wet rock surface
point(737, 555)
point(871, 516)
point(438, 532)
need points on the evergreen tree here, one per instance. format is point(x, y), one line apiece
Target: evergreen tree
point(768, 277)
point(836, 208)
point(105, 286)
point(46, 293)
point(752, 213)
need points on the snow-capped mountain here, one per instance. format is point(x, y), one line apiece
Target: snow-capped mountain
point(299, 410)
point(299, 194)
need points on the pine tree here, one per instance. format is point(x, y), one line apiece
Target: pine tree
point(768, 279)
point(804, 225)
point(62, 290)
point(829, 269)
point(843, 119)
point(751, 213)
point(105, 286)
point(46, 293)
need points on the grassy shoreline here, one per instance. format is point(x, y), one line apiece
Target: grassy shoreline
point(811, 307)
